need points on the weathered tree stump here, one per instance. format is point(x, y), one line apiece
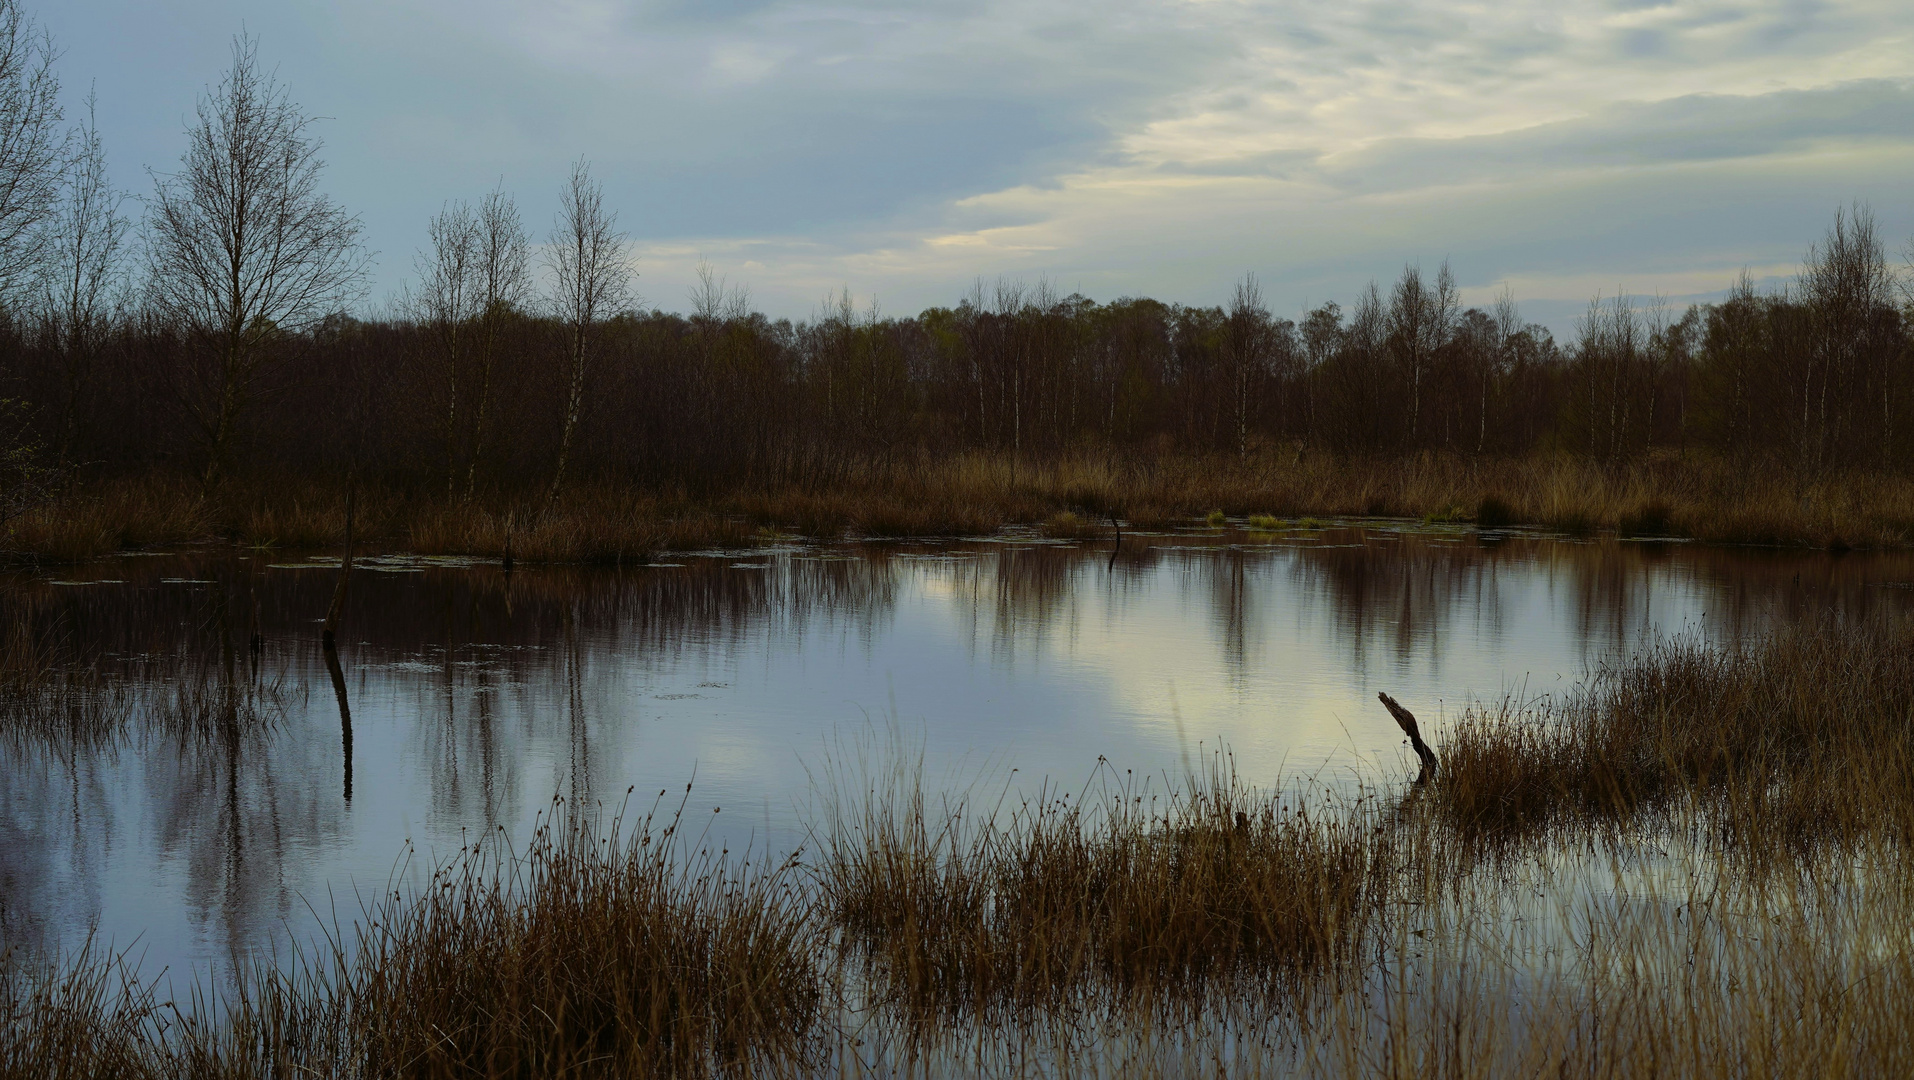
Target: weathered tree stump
point(1407, 721)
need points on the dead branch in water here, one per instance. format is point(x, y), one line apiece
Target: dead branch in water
point(1407, 721)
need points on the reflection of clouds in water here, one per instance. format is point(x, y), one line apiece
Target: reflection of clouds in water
point(476, 698)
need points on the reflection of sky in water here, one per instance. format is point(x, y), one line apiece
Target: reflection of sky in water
point(473, 700)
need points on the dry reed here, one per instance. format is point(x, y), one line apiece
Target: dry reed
point(1124, 891)
point(1665, 495)
point(1798, 739)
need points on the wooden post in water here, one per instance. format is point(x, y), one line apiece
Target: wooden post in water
point(338, 607)
point(1407, 721)
point(345, 713)
point(328, 638)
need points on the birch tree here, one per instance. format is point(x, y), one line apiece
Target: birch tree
point(1847, 288)
point(244, 248)
point(447, 306)
point(504, 283)
point(590, 281)
point(1421, 317)
point(1247, 343)
point(32, 145)
point(1507, 322)
point(83, 274)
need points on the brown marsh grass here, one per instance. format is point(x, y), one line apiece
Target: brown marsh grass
point(113, 517)
point(1124, 891)
point(1800, 738)
point(1696, 496)
point(1652, 959)
point(590, 952)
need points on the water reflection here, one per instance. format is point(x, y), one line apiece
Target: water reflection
point(261, 778)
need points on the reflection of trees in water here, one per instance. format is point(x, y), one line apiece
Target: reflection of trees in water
point(54, 840)
point(234, 797)
point(203, 772)
point(405, 613)
point(1398, 592)
point(508, 663)
point(1232, 607)
point(194, 763)
point(1748, 589)
point(1407, 592)
point(1030, 592)
point(1622, 591)
point(231, 802)
point(1021, 594)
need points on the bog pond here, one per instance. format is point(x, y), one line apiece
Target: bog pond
point(766, 677)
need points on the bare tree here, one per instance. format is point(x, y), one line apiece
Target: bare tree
point(1847, 287)
point(1248, 339)
point(973, 327)
point(1609, 347)
point(24, 481)
point(1507, 319)
point(32, 144)
point(715, 301)
point(1012, 354)
point(1366, 344)
point(590, 280)
point(82, 275)
point(505, 283)
point(447, 304)
point(1736, 340)
point(1655, 361)
point(1420, 320)
point(244, 249)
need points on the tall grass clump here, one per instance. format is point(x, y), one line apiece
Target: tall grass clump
point(1122, 894)
point(591, 952)
point(1645, 960)
point(1493, 512)
point(1797, 738)
point(77, 1017)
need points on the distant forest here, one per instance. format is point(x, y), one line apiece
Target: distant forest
point(212, 337)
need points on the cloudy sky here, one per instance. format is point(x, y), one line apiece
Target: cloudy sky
point(1117, 147)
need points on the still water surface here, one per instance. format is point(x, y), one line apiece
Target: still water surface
point(475, 697)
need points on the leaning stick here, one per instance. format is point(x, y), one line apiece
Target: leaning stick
point(1407, 721)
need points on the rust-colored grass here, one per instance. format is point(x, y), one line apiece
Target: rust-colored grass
point(1799, 739)
point(1121, 894)
point(1695, 496)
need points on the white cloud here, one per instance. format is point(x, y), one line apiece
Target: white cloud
point(1124, 146)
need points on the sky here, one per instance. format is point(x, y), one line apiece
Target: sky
point(1158, 148)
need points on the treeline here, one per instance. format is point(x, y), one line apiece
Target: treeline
point(214, 339)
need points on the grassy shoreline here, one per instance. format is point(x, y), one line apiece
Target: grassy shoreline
point(1698, 497)
point(1694, 863)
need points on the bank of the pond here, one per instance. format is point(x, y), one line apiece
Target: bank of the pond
point(1694, 496)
